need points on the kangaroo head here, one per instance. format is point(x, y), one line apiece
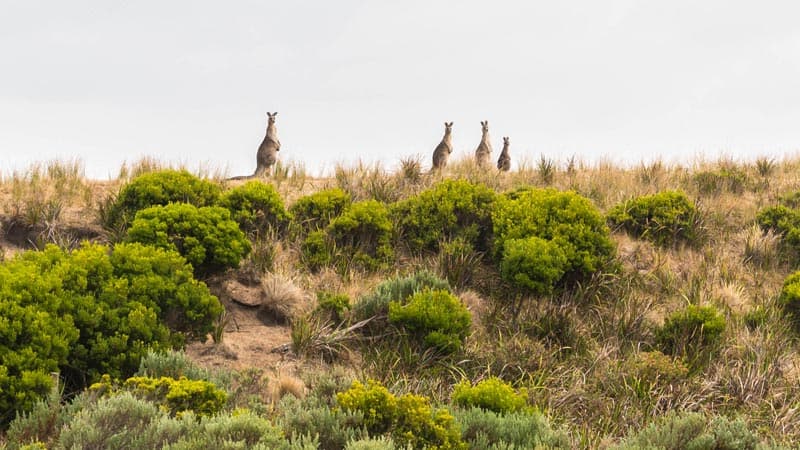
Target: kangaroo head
point(448, 126)
point(485, 125)
point(272, 117)
point(506, 141)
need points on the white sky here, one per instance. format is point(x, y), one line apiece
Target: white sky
point(187, 81)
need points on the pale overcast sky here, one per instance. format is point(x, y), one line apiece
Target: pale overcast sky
point(186, 81)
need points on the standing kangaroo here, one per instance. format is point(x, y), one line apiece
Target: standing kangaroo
point(444, 148)
point(267, 154)
point(484, 151)
point(504, 161)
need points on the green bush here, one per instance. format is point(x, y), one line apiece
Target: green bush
point(690, 332)
point(315, 211)
point(666, 218)
point(452, 209)
point(125, 421)
point(435, 318)
point(678, 431)
point(399, 289)
point(92, 311)
point(566, 219)
point(333, 305)
point(533, 263)
point(256, 207)
point(784, 220)
point(492, 394)
point(206, 237)
point(790, 297)
point(483, 429)
point(333, 427)
point(181, 395)
point(316, 251)
point(375, 402)
point(159, 188)
point(362, 235)
point(409, 418)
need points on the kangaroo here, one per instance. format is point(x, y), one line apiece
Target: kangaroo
point(267, 154)
point(504, 161)
point(444, 148)
point(484, 151)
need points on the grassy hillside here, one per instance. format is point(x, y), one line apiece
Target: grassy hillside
point(597, 357)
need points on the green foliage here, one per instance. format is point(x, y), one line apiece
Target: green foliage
point(125, 421)
point(409, 418)
point(784, 220)
point(379, 443)
point(333, 427)
point(333, 305)
point(181, 395)
point(692, 431)
point(206, 237)
point(566, 219)
point(533, 263)
point(315, 211)
point(363, 235)
point(159, 188)
point(483, 429)
point(690, 332)
point(435, 318)
point(256, 207)
point(666, 218)
point(92, 311)
point(492, 394)
point(452, 209)
point(458, 261)
point(375, 402)
point(376, 303)
point(315, 251)
point(790, 297)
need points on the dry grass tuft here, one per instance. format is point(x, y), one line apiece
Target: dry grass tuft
point(285, 385)
point(284, 300)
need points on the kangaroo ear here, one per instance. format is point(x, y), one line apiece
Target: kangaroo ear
point(275, 114)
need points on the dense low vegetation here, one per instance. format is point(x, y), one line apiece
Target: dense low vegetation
point(551, 307)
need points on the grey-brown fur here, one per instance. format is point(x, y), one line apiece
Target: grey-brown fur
point(483, 153)
point(504, 161)
point(444, 148)
point(267, 154)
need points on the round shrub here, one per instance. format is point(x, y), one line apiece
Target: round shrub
point(181, 395)
point(566, 219)
point(784, 220)
point(159, 188)
point(315, 211)
point(362, 235)
point(533, 263)
point(409, 419)
point(206, 237)
point(451, 209)
point(437, 319)
point(398, 289)
point(790, 297)
point(492, 394)
point(666, 218)
point(378, 405)
point(256, 207)
point(93, 311)
point(691, 331)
